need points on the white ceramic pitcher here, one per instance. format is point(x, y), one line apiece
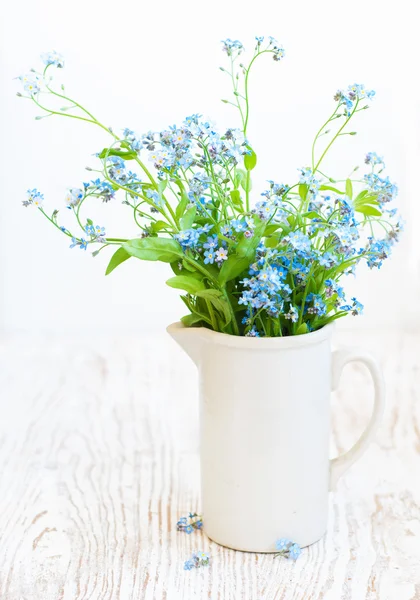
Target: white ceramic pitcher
point(265, 428)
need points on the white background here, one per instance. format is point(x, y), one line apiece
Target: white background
point(146, 65)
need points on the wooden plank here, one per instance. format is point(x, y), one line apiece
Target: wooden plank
point(99, 459)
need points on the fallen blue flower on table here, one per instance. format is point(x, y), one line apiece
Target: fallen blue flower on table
point(288, 549)
point(198, 559)
point(194, 521)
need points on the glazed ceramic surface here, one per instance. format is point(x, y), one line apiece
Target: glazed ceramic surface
point(265, 428)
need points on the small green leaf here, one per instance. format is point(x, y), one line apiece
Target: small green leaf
point(271, 242)
point(368, 211)
point(188, 219)
point(349, 189)
point(186, 282)
point(209, 293)
point(250, 160)
point(190, 320)
point(324, 188)
point(303, 190)
point(154, 248)
point(367, 199)
point(303, 328)
point(156, 226)
point(246, 246)
point(360, 196)
point(271, 228)
point(117, 258)
point(186, 265)
point(232, 267)
point(236, 198)
point(219, 303)
point(311, 215)
point(125, 154)
point(240, 177)
point(182, 205)
point(162, 186)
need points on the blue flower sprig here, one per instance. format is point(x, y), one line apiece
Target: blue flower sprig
point(256, 264)
point(198, 559)
point(288, 549)
point(187, 525)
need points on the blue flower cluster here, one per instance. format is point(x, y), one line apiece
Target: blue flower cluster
point(373, 159)
point(34, 198)
point(288, 549)
point(198, 559)
point(95, 234)
point(100, 188)
point(73, 197)
point(352, 95)
point(232, 47)
point(188, 525)
point(267, 288)
point(195, 143)
point(53, 58)
point(32, 83)
point(283, 254)
point(307, 177)
point(273, 204)
point(276, 48)
point(384, 190)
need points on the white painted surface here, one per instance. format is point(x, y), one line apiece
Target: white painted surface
point(99, 458)
point(148, 64)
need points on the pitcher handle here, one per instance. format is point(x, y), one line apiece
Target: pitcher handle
point(339, 359)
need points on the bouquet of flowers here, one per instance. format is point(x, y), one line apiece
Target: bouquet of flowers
point(265, 264)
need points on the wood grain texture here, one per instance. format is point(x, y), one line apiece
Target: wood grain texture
point(99, 459)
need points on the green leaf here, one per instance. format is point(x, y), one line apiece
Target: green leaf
point(303, 190)
point(190, 320)
point(186, 265)
point(271, 228)
point(162, 186)
point(186, 282)
point(209, 293)
point(156, 226)
point(232, 267)
point(368, 211)
point(271, 242)
point(246, 246)
point(303, 328)
point(188, 219)
point(360, 196)
point(330, 188)
point(182, 204)
point(311, 215)
point(349, 189)
point(250, 160)
point(367, 199)
point(240, 177)
point(236, 198)
point(117, 258)
point(219, 303)
point(246, 184)
point(125, 154)
point(154, 248)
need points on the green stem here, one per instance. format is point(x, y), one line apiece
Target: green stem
point(335, 137)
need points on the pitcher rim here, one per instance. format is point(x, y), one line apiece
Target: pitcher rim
point(237, 341)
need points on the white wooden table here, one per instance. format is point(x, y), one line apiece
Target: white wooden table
point(99, 459)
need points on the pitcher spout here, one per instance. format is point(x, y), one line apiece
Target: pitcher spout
point(191, 339)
